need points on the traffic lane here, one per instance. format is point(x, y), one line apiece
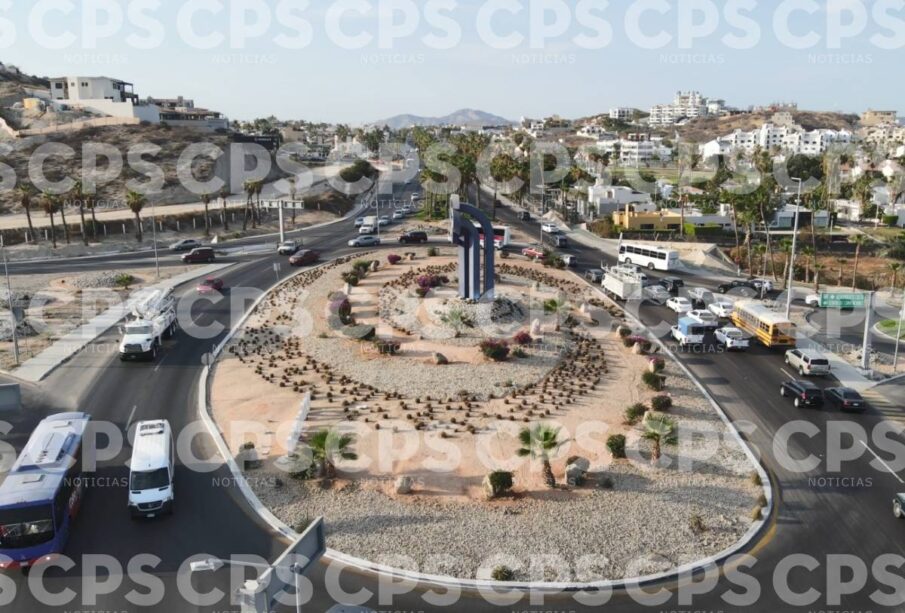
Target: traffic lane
point(820, 512)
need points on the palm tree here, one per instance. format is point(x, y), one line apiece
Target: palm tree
point(206, 200)
point(329, 446)
point(51, 204)
point(224, 194)
point(785, 247)
point(26, 194)
point(62, 208)
point(894, 269)
point(136, 202)
point(808, 253)
point(91, 205)
point(858, 240)
point(540, 442)
point(249, 187)
point(256, 209)
point(78, 194)
point(293, 194)
point(818, 268)
point(659, 430)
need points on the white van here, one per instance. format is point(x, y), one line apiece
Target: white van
point(151, 470)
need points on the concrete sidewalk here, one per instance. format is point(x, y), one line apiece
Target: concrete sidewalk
point(38, 367)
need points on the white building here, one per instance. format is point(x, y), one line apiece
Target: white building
point(607, 199)
point(699, 219)
point(636, 151)
point(622, 113)
point(789, 139)
point(593, 131)
point(686, 105)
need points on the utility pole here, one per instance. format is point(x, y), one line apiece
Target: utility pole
point(865, 349)
point(790, 286)
point(9, 294)
point(282, 228)
point(154, 238)
point(895, 360)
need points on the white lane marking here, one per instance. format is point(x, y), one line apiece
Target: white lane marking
point(880, 460)
point(131, 415)
point(159, 363)
point(786, 373)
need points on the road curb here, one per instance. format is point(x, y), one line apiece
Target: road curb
point(364, 566)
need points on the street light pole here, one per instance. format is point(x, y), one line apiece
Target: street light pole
point(154, 238)
point(895, 360)
point(9, 294)
point(789, 287)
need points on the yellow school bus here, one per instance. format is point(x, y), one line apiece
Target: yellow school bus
point(766, 325)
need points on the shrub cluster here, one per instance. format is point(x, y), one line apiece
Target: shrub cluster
point(522, 338)
point(661, 404)
point(616, 445)
point(495, 350)
point(635, 413)
point(394, 259)
point(654, 381)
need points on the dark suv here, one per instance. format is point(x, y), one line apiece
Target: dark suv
point(746, 287)
point(413, 237)
point(672, 284)
point(200, 256)
point(805, 393)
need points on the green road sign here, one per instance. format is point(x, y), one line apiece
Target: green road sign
point(843, 301)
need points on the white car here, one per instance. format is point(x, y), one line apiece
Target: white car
point(367, 229)
point(723, 310)
point(702, 317)
point(657, 294)
point(364, 241)
point(679, 305)
point(359, 222)
point(383, 221)
point(549, 228)
point(732, 338)
point(808, 362)
point(813, 300)
point(398, 215)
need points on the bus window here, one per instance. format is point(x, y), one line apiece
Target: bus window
point(26, 526)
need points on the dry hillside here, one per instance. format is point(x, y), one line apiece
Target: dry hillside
point(706, 129)
point(171, 141)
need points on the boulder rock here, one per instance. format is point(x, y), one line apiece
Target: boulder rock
point(404, 486)
point(440, 359)
point(577, 473)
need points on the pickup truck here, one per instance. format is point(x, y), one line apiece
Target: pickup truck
point(688, 332)
point(733, 338)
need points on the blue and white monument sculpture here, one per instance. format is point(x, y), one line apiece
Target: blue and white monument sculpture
point(468, 238)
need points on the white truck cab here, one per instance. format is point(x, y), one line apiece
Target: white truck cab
point(151, 470)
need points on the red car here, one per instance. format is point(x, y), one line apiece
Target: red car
point(209, 286)
point(306, 257)
point(533, 252)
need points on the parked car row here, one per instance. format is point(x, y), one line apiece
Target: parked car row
point(807, 394)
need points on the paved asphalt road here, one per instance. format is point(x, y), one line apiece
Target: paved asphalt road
point(820, 518)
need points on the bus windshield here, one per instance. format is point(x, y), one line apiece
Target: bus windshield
point(26, 526)
point(150, 480)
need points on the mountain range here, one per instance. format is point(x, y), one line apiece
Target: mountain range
point(463, 117)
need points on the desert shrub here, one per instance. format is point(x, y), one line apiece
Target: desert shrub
point(522, 338)
point(500, 482)
point(394, 259)
point(654, 381)
point(351, 278)
point(502, 573)
point(661, 404)
point(520, 353)
point(755, 479)
point(696, 524)
point(124, 280)
point(495, 350)
point(616, 445)
point(631, 341)
point(361, 268)
point(432, 281)
point(635, 413)
point(624, 332)
point(659, 364)
point(890, 220)
point(422, 292)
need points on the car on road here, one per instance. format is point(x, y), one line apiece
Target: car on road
point(672, 284)
point(656, 294)
point(549, 228)
point(703, 317)
point(534, 251)
point(761, 285)
point(305, 257)
point(594, 275)
point(398, 215)
point(844, 399)
point(359, 222)
point(407, 210)
point(898, 506)
point(721, 309)
point(151, 470)
point(804, 393)
point(210, 285)
point(367, 229)
point(524, 216)
point(808, 362)
point(570, 261)
point(289, 247)
point(732, 338)
point(679, 304)
point(185, 245)
point(383, 221)
point(812, 300)
point(700, 297)
point(413, 238)
point(202, 255)
point(745, 288)
point(364, 241)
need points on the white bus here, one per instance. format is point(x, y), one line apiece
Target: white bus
point(151, 470)
point(648, 256)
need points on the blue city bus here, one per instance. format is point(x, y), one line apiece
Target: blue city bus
point(41, 495)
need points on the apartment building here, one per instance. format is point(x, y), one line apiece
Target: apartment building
point(790, 139)
point(686, 105)
point(872, 118)
point(622, 113)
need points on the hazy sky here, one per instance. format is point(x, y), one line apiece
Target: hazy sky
point(442, 55)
